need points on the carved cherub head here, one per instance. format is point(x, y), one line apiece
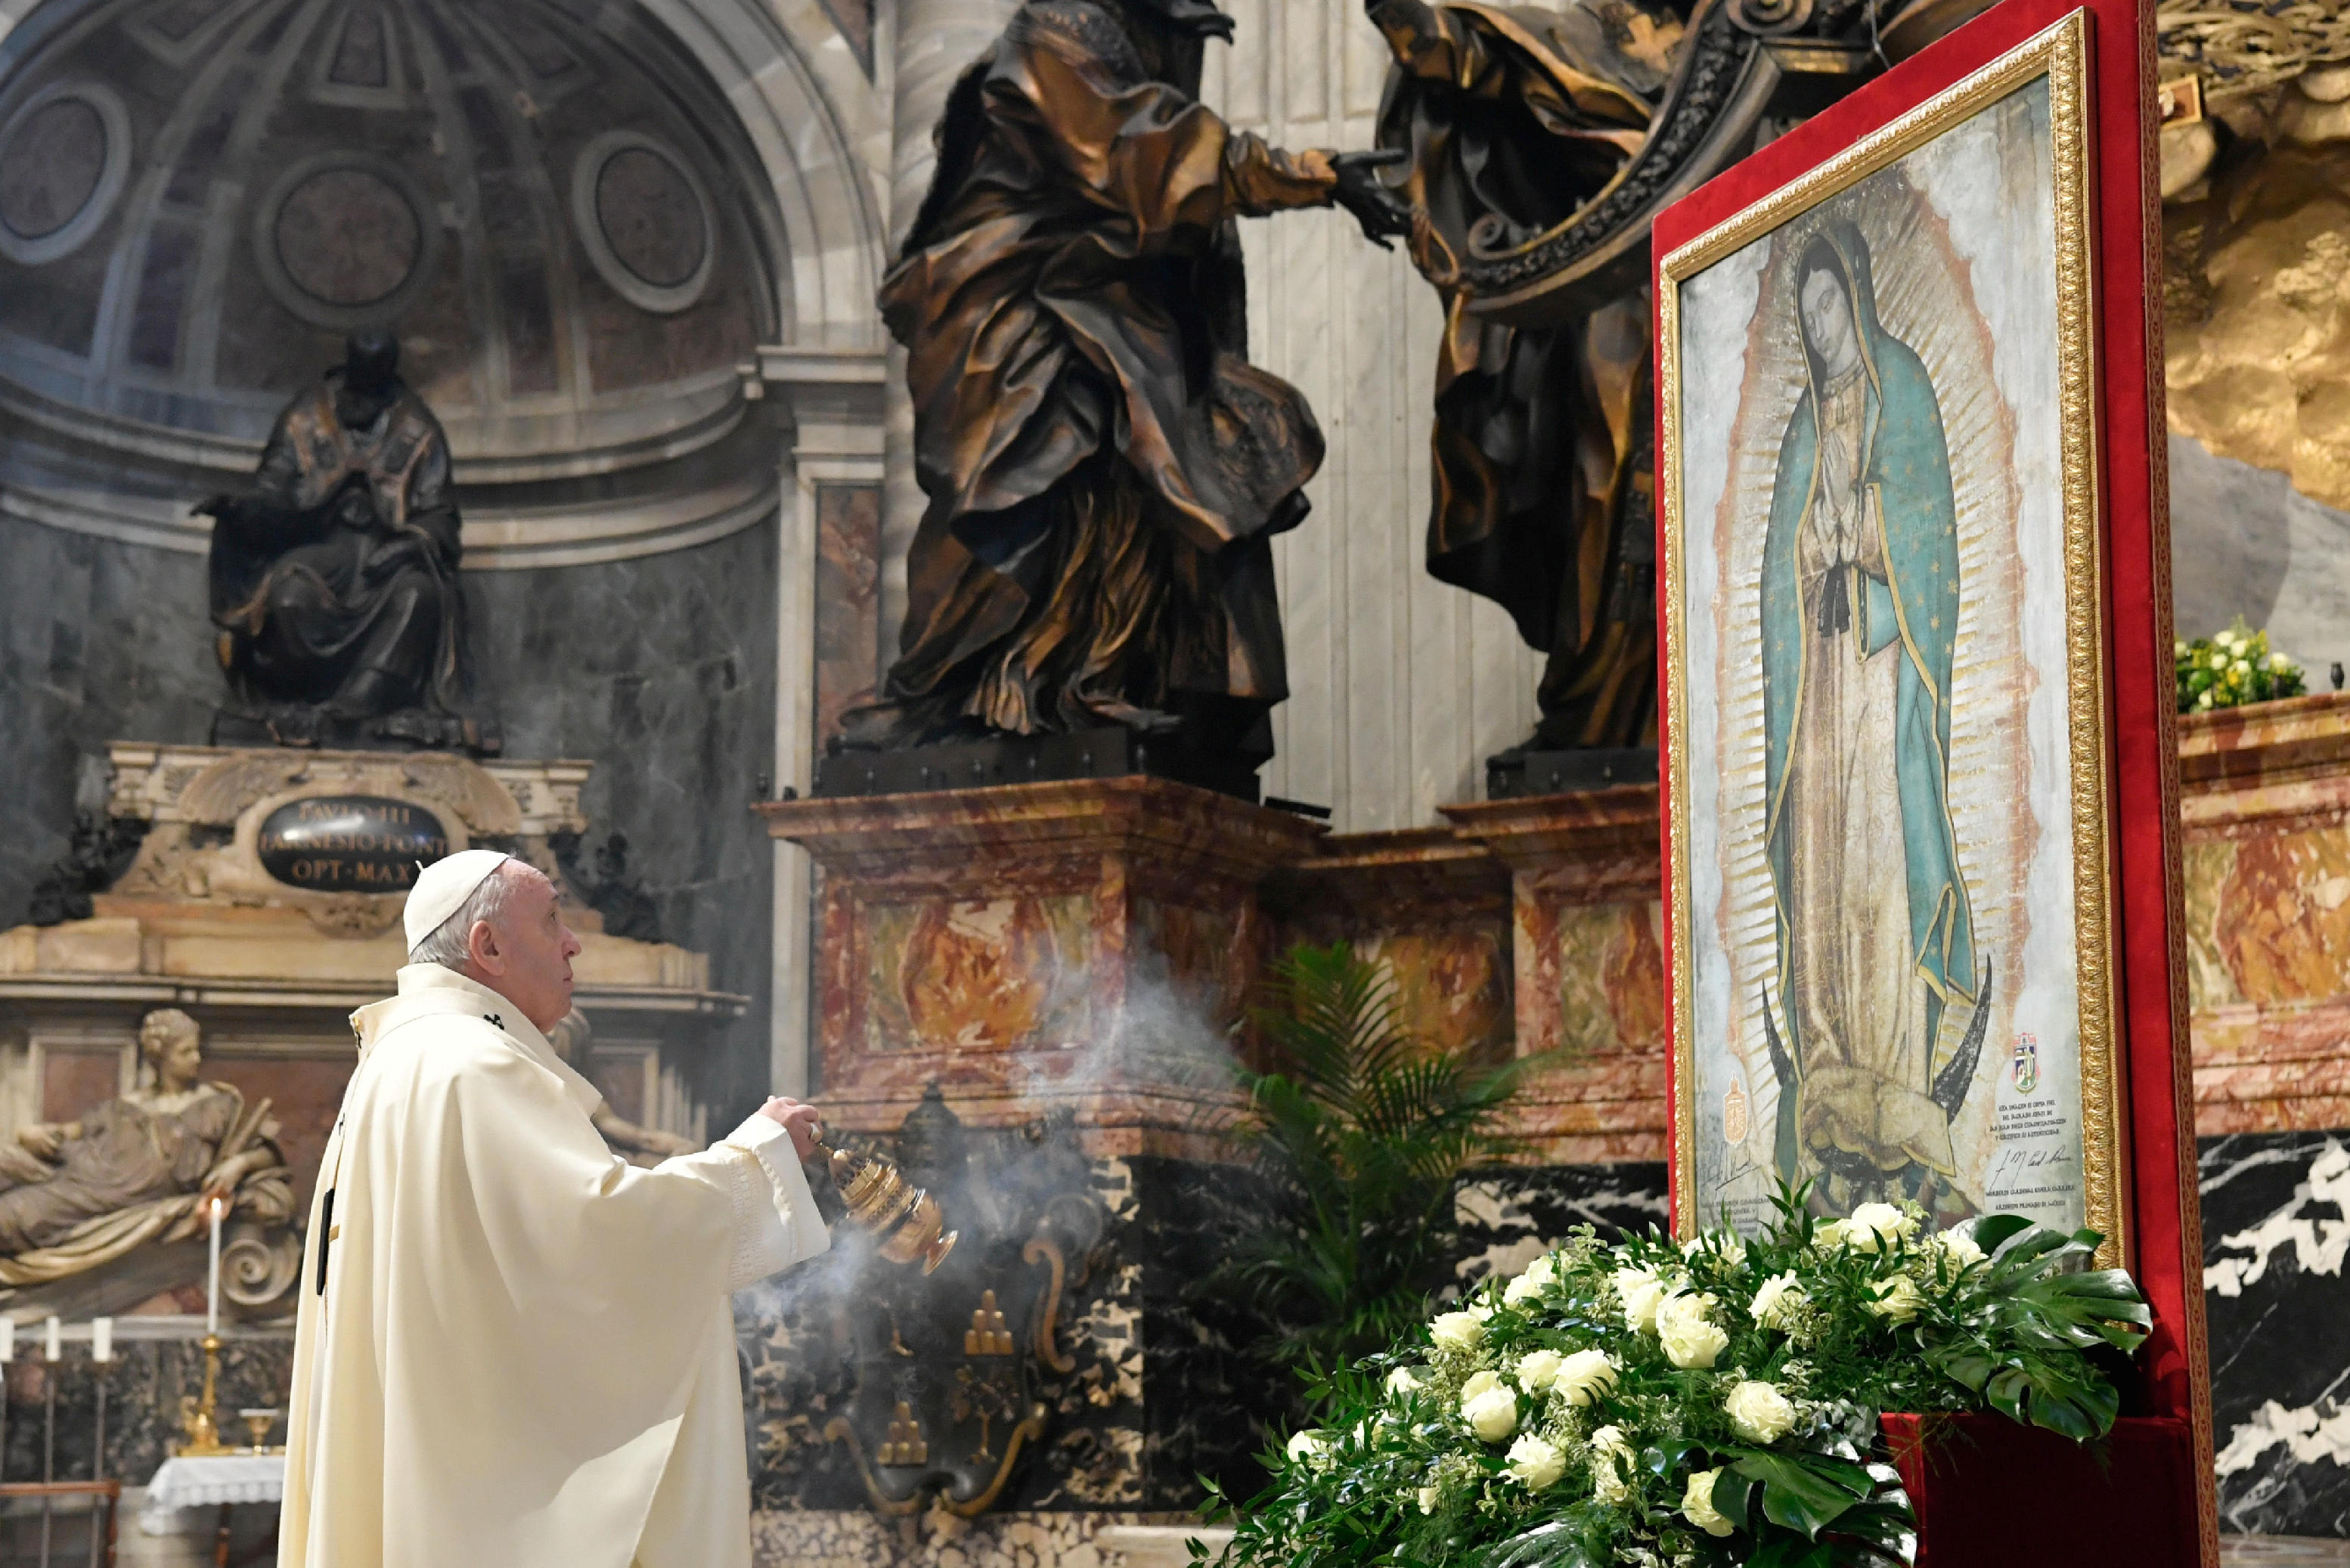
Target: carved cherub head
point(172, 1043)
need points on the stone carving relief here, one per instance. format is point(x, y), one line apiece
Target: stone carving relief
point(88, 1194)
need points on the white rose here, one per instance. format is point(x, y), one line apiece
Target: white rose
point(1760, 1412)
point(1690, 1341)
point(1403, 1382)
point(1483, 1382)
point(1457, 1330)
point(1428, 1496)
point(1480, 1309)
point(1874, 1225)
point(1960, 1247)
point(2278, 661)
point(1776, 1302)
point(1585, 1376)
point(1491, 1414)
point(1537, 1368)
point(1697, 1503)
point(1308, 1447)
point(1607, 1483)
point(1642, 1291)
point(1897, 1298)
point(1536, 1279)
point(1536, 1463)
point(1827, 1233)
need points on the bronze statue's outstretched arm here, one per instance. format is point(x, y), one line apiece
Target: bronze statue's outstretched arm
point(1171, 165)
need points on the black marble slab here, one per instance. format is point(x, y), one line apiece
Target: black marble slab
point(2276, 1228)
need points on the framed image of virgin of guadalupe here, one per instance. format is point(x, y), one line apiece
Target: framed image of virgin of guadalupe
point(1918, 761)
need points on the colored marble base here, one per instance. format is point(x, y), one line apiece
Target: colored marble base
point(1088, 947)
point(2266, 822)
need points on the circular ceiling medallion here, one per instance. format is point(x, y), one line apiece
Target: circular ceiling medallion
point(343, 240)
point(63, 155)
point(649, 218)
point(645, 219)
point(348, 237)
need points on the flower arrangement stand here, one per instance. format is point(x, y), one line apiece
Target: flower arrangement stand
point(1990, 1493)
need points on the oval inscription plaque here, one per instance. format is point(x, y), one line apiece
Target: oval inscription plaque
point(351, 844)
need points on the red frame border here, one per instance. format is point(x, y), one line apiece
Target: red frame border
point(2154, 1086)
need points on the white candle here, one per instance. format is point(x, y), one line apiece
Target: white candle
point(101, 1339)
point(7, 1339)
point(54, 1349)
point(212, 1294)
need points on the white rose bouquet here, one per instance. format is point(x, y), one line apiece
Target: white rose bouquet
point(1691, 1405)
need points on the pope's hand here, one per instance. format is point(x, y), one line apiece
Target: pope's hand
point(801, 1121)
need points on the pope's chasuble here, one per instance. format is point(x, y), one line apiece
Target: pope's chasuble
point(514, 1349)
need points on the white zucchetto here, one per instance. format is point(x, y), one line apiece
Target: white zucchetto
point(443, 888)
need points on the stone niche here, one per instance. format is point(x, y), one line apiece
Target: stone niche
point(265, 901)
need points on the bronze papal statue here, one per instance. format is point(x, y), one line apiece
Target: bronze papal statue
point(334, 582)
point(1516, 118)
point(1105, 470)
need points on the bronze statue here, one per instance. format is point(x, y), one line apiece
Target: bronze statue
point(641, 1146)
point(76, 1195)
point(1514, 120)
point(1104, 469)
point(334, 583)
point(1542, 143)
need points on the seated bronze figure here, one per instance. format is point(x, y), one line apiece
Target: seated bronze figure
point(334, 582)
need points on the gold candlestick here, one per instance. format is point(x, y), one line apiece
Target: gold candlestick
point(882, 1202)
point(200, 1419)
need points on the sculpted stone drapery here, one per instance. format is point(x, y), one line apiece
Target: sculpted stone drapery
point(334, 583)
point(1514, 118)
point(1104, 469)
point(77, 1195)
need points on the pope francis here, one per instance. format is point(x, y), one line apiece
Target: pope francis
point(514, 1350)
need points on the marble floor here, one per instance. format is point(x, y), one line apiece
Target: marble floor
point(2281, 1551)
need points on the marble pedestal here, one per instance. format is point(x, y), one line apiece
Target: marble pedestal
point(1069, 965)
point(1087, 947)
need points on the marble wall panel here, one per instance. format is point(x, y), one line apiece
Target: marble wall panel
point(73, 1080)
point(849, 652)
point(2276, 1228)
point(948, 974)
point(98, 643)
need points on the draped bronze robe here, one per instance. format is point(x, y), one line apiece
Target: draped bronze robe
point(1514, 118)
point(1104, 469)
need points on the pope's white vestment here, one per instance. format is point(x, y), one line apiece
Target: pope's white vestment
point(514, 1350)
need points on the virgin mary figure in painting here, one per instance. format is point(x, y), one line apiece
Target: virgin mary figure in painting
point(1860, 611)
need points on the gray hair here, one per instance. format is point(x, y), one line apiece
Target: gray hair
point(449, 945)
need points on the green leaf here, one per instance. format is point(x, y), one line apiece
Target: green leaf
point(1806, 1492)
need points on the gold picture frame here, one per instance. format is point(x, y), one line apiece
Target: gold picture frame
point(2057, 57)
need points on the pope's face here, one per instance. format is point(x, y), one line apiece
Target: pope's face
point(525, 954)
point(1828, 323)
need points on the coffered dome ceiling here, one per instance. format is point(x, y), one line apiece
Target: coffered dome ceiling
point(546, 199)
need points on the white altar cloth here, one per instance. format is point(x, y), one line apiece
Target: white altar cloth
point(207, 1483)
